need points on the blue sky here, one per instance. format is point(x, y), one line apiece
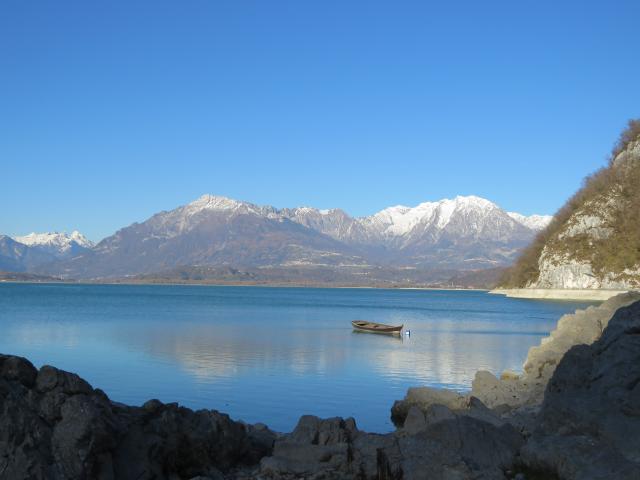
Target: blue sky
point(112, 111)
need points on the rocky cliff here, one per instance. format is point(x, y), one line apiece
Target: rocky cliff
point(594, 240)
point(586, 425)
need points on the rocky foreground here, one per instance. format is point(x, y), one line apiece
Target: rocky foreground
point(574, 413)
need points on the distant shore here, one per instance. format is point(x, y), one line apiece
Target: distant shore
point(239, 284)
point(558, 293)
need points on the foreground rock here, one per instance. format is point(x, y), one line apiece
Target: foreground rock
point(522, 393)
point(443, 445)
point(585, 424)
point(589, 424)
point(54, 425)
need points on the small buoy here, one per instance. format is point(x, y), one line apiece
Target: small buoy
point(407, 332)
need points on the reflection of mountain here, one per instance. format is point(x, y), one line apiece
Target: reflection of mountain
point(39, 334)
point(210, 352)
point(445, 356)
point(264, 354)
point(452, 358)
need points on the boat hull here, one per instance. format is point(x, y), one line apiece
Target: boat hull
point(372, 327)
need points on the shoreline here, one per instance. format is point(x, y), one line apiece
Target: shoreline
point(596, 295)
point(264, 285)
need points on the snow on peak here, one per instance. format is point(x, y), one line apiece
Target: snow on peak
point(80, 239)
point(472, 201)
point(305, 210)
point(400, 220)
point(389, 215)
point(213, 202)
point(395, 221)
point(217, 203)
point(534, 222)
point(60, 241)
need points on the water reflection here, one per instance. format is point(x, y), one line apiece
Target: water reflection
point(270, 354)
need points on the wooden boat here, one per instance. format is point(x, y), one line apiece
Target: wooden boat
point(376, 327)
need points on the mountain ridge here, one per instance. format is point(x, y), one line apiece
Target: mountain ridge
point(464, 233)
point(58, 244)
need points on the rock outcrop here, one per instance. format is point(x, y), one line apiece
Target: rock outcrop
point(577, 404)
point(54, 425)
point(589, 424)
point(581, 327)
point(442, 445)
point(512, 391)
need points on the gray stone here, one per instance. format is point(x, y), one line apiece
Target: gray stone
point(587, 425)
point(442, 445)
point(438, 413)
point(497, 392)
point(581, 327)
point(50, 378)
point(54, 425)
point(423, 398)
point(415, 420)
point(18, 368)
point(305, 459)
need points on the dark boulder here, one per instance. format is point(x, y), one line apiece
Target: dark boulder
point(18, 368)
point(54, 425)
point(451, 446)
point(589, 424)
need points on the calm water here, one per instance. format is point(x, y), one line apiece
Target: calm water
point(269, 354)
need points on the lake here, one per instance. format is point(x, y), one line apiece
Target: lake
point(267, 354)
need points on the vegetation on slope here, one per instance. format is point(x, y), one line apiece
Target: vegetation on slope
point(613, 254)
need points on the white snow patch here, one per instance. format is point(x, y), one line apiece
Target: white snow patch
point(534, 222)
point(61, 241)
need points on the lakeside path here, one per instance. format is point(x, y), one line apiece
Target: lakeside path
point(558, 293)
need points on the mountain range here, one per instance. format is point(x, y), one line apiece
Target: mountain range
point(28, 252)
point(453, 235)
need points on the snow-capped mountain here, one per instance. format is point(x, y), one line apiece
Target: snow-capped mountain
point(60, 245)
point(211, 231)
point(18, 257)
point(461, 233)
point(534, 222)
point(335, 223)
point(455, 232)
point(400, 225)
